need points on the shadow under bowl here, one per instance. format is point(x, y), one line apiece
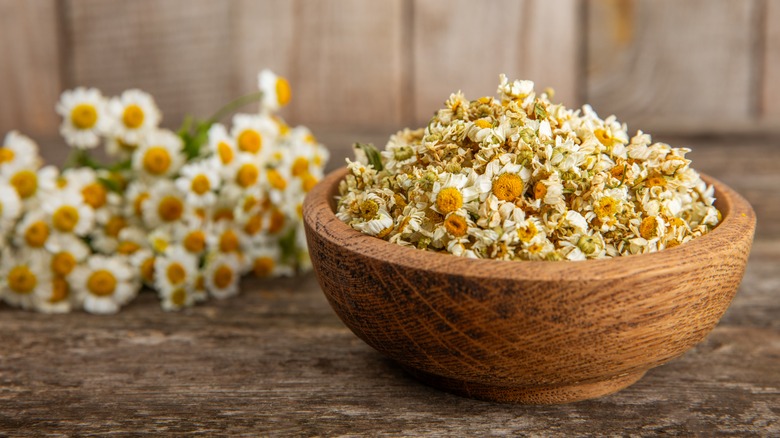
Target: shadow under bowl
point(533, 332)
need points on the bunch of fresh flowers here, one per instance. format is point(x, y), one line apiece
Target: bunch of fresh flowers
point(522, 178)
point(185, 213)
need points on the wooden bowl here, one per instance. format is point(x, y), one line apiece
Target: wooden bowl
point(522, 331)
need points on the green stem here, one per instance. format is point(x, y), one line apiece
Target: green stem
point(234, 105)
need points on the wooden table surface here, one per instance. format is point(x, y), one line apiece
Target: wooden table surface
point(276, 360)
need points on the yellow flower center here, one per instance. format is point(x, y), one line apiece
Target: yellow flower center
point(309, 181)
point(247, 175)
point(6, 155)
point(283, 128)
point(368, 209)
point(527, 233)
point(179, 297)
point(21, 279)
point(263, 266)
point(36, 234)
point(83, 116)
point(228, 241)
point(309, 138)
point(195, 241)
point(133, 117)
point(147, 269)
point(176, 273)
point(604, 137)
point(540, 190)
point(655, 181)
point(65, 218)
point(170, 209)
point(250, 141)
point(456, 225)
point(138, 203)
point(649, 227)
point(449, 199)
point(282, 91)
point(253, 224)
point(676, 222)
point(159, 244)
point(536, 248)
point(25, 182)
point(300, 166)
point(225, 153)
point(223, 214)
point(95, 195)
point(606, 206)
point(60, 290)
point(276, 180)
point(114, 226)
point(200, 184)
point(157, 160)
point(483, 123)
point(277, 222)
point(508, 187)
point(63, 263)
point(223, 276)
point(127, 247)
point(101, 283)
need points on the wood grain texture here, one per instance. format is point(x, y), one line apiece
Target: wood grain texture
point(30, 66)
point(674, 65)
point(460, 45)
point(181, 51)
point(276, 360)
point(527, 332)
point(771, 74)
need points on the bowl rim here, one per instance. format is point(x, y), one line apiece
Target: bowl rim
point(738, 220)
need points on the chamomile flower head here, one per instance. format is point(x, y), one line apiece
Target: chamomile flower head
point(221, 146)
point(69, 213)
point(85, 117)
point(33, 232)
point(222, 275)
point(175, 269)
point(275, 89)
point(160, 155)
point(254, 134)
point(133, 114)
point(166, 205)
point(10, 207)
point(54, 295)
point(67, 252)
point(245, 172)
point(199, 181)
point(22, 275)
point(105, 235)
point(266, 261)
point(18, 152)
point(103, 284)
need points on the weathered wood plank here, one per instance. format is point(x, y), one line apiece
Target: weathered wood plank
point(771, 74)
point(679, 66)
point(463, 45)
point(30, 67)
point(181, 51)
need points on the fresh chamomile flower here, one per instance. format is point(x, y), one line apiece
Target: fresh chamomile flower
point(191, 237)
point(173, 299)
point(69, 213)
point(84, 115)
point(276, 182)
point(160, 155)
point(165, 205)
point(131, 240)
point(143, 262)
point(227, 238)
point(134, 114)
point(199, 180)
point(29, 181)
point(67, 251)
point(266, 262)
point(21, 276)
point(54, 296)
point(136, 196)
point(175, 269)
point(105, 236)
point(103, 284)
point(254, 134)
point(222, 274)
point(18, 152)
point(33, 231)
point(221, 145)
point(275, 89)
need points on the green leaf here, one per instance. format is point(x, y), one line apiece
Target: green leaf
point(289, 248)
point(372, 153)
point(540, 111)
point(110, 184)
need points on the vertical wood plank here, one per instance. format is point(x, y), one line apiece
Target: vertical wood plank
point(181, 51)
point(665, 64)
point(771, 74)
point(466, 45)
point(30, 67)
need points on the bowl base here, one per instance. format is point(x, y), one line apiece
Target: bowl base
point(529, 395)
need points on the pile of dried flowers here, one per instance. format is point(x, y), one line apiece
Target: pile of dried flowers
point(186, 213)
point(522, 178)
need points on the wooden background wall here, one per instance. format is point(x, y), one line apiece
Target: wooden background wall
point(671, 66)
